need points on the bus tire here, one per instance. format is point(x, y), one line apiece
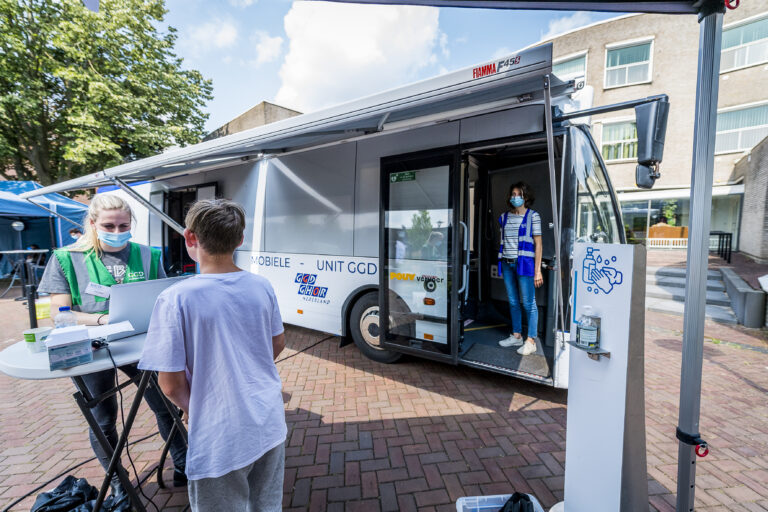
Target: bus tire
point(364, 327)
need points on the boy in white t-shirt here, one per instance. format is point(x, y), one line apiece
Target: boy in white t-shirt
point(214, 338)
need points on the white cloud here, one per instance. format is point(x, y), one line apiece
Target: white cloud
point(338, 52)
point(444, 45)
point(241, 3)
point(501, 52)
point(213, 34)
point(267, 48)
point(566, 23)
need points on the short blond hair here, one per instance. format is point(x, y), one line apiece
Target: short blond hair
point(218, 224)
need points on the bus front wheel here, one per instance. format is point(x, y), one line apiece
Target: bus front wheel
point(365, 327)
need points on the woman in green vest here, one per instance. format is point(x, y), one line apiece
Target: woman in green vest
point(80, 276)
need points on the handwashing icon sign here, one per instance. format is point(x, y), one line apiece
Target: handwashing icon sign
point(598, 272)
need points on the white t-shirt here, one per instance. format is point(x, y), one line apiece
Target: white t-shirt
point(512, 228)
point(219, 328)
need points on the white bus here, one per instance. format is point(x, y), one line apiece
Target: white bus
point(344, 206)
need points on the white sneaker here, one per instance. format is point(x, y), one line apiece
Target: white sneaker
point(527, 349)
point(511, 341)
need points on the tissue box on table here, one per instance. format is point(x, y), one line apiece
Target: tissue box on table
point(69, 346)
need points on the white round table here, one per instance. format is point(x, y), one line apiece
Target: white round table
point(17, 361)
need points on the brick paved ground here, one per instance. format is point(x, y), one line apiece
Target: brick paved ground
point(418, 435)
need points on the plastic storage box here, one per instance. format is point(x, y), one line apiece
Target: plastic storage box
point(489, 503)
point(69, 346)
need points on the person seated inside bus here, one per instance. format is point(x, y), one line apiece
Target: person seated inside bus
point(432, 249)
point(520, 265)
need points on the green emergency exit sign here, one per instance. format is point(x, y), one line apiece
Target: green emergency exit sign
point(402, 176)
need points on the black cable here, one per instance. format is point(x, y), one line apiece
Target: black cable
point(306, 348)
point(122, 420)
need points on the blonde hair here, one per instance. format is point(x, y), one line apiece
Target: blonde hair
point(218, 225)
point(100, 202)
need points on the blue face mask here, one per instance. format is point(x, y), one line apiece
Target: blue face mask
point(114, 239)
point(516, 201)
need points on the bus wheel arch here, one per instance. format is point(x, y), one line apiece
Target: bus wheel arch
point(363, 321)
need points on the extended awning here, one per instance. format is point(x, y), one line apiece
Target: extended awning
point(466, 92)
point(553, 5)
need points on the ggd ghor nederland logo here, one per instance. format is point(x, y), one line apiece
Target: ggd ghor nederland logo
point(306, 286)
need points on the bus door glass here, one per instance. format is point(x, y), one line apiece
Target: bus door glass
point(597, 218)
point(417, 256)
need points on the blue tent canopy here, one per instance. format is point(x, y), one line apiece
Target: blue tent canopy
point(13, 207)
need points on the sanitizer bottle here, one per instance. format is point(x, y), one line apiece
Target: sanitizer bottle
point(589, 264)
point(65, 318)
point(588, 329)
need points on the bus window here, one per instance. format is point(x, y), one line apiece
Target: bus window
point(596, 213)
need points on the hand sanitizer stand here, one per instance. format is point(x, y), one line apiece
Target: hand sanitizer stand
point(605, 462)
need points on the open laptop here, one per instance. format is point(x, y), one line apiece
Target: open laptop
point(134, 302)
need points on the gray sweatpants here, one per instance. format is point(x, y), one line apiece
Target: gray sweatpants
point(257, 487)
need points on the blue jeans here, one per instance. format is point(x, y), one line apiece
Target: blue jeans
point(520, 292)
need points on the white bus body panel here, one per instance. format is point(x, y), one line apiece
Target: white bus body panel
point(311, 289)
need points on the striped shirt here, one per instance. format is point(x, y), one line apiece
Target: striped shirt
point(512, 228)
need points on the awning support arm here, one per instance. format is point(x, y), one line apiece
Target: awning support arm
point(559, 312)
point(56, 213)
point(611, 108)
point(138, 197)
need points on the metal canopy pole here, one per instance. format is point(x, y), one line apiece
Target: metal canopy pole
point(710, 36)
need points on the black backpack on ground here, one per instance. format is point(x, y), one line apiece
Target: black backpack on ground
point(518, 502)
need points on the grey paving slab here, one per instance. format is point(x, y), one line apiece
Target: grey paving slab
point(679, 272)
point(714, 297)
point(712, 284)
point(718, 313)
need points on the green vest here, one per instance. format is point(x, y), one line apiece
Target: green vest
point(80, 268)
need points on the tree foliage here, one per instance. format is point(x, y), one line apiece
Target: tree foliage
point(421, 227)
point(82, 91)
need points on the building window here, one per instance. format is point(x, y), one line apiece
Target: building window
point(619, 141)
point(740, 130)
point(745, 45)
point(571, 68)
point(628, 65)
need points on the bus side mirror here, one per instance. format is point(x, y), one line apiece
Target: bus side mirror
point(651, 122)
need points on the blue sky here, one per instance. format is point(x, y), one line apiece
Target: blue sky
point(310, 55)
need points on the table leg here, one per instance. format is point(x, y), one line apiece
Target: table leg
point(82, 397)
point(121, 441)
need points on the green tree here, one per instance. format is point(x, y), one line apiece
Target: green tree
point(82, 91)
point(669, 209)
point(421, 227)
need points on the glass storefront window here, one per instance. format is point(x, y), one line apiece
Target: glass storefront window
point(635, 215)
point(669, 219)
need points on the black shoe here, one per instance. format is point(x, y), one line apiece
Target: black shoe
point(179, 478)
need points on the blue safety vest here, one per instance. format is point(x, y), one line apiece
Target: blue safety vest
point(526, 250)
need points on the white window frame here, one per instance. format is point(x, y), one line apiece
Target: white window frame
point(615, 120)
point(626, 44)
point(737, 24)
point(730, 109)
point(571, 56)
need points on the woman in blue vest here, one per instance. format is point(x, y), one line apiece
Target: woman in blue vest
point(520, 265)
point(79, 276)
